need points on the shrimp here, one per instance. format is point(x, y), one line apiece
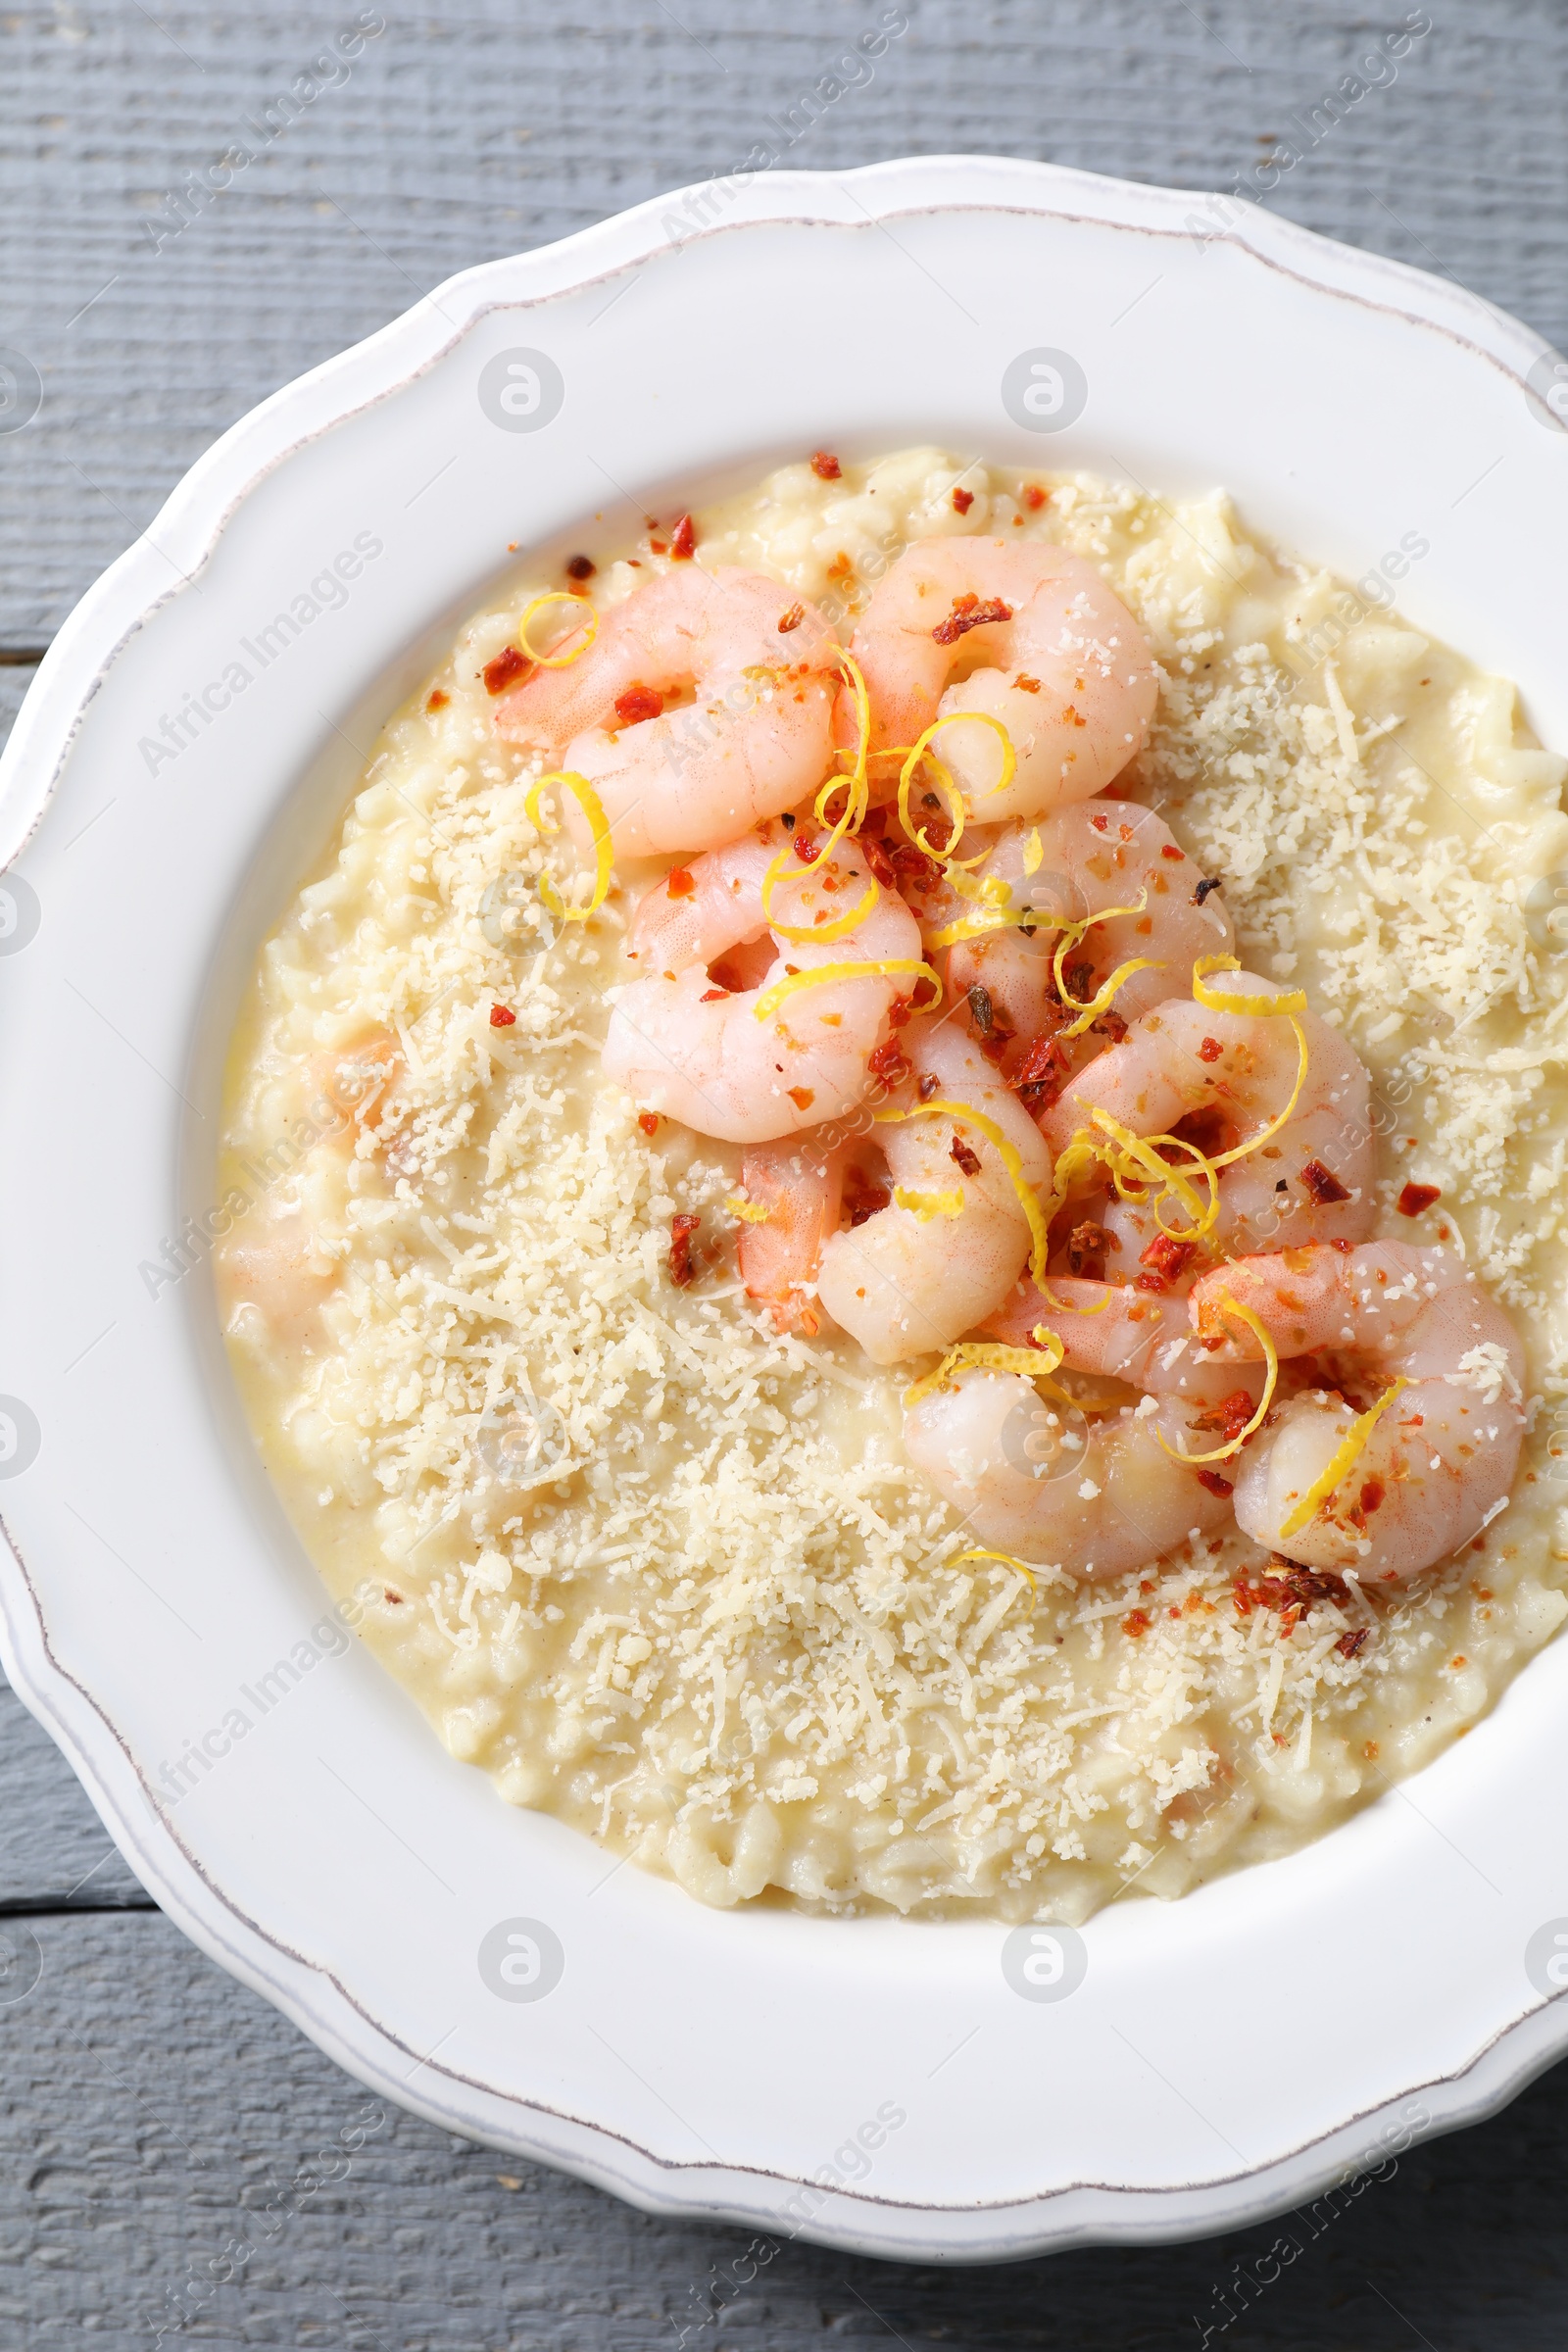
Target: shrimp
point(1070, 868)
point(757, 740)
point(913, 1277)
point(1113, 1330)
point(1038, 642)
point(697, 1052)
point(1097, 1503)
point(797, 1185)
point(1438, 1461)
point(1219, 1078)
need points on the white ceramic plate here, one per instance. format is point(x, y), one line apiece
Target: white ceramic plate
point(1225, 2055)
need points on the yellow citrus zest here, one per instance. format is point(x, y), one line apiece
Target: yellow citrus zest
point(772, 997)
point(980, 1551)
point(557, 596)
point(1072, 935)
point(1136, 1161)
point(1065, 1306)
point(987, 1356)
point(1340, 1464)
point(1215, 1000)
point(1244, 1315)
point(807, 933)
point(750, 1213)
point(963, 1114)
point(926, 1205)
point(588, 800)
point(1034, 852)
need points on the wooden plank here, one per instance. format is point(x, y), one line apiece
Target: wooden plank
point(461, 135)
point(159, 2120)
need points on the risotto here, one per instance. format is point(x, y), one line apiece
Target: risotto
point(654, 1543)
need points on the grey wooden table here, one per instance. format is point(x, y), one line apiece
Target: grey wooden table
point(152, 2114)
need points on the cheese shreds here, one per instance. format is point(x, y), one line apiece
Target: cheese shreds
point(667, 1573)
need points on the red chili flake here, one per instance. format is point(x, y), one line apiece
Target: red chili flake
point(1416, 1199)
point(683, 541)
point(929, 1085)
point(580, 567)
point(791, 619)
point(1136, 1621)
point(1165, 1259)
point(1229, 1417)
point(888, 1063)
point(826, 465)
point(802, 1097)
point(1211, 1049)
point(962, 1156)
point(877, 858)
point(1109, 1024)
point(967, 614)
point(1215, 1485)
point(679, 883)
point(805, 847)
point(963, 500)
point(681, 1230)
point(648, 1121)
point(502, 1017)
point(1168, 848)
point(1323, 1185)
point(1202, 891)
point(1348, 1644)
point(658, 547)
point(899, 1012)
point(711, 995)
point(437, 699)
point(507, 667)
point(1087, 1244)
point(861, 1197)
point(637, 704)
point(1025, 684)
point(1041, 1074)
point(1373, 1492)
point(1034, 496)
point(913, 868)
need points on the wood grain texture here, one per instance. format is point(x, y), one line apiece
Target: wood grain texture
point(461, 133)
point(153, 2113)
point(158, 2120)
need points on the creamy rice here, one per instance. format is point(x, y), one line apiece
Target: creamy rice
point(669, 1575)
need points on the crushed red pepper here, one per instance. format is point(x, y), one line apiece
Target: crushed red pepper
point(791, 619)
point(1165, 1260)
point(1215, 1485)
point(437, 699)
point(1322, 1184)
point(638, 703)
point(1087, 1244)
point(826, 465)
point(504, 671)
point(1417, 1198)
point(967, 614)
point(679, 882)
point(1211, 1049)
point(1034, 497)
point(963, 500)
point(580, 567)
point(648, 1121)
point(681, 1230)
point(683, 541)
point(1136, 1621)
point(963, 1157)
point(502, 1017)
